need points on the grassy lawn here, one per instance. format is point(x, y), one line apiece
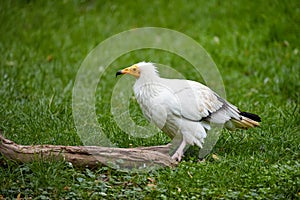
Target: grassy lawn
point(255, 45)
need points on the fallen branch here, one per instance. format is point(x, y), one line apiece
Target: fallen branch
point(90, 156)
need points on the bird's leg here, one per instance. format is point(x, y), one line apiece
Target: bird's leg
point(179, 152)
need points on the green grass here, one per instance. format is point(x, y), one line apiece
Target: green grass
point(42, 45)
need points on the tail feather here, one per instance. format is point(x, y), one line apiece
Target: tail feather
point(251, 116)
point(247, 120)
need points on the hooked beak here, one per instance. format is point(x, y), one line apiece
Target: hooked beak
point(133, 70)
point(120, 72)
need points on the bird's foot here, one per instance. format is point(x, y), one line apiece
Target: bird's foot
point(179, 152)
point(177, 156)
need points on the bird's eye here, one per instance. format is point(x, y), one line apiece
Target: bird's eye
point(134, 69)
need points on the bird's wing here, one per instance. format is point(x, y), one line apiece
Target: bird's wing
point(196, 102)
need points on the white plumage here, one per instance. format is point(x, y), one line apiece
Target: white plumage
point(183, 107)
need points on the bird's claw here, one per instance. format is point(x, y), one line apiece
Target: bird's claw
point(177, 156)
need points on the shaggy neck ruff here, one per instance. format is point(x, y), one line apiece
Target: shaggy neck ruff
point(148, 84)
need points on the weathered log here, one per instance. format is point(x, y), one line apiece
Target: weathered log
point(90, 156)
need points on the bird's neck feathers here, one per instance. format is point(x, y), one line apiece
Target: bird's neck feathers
point(147, 83)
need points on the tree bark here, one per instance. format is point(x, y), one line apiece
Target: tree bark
point(90, 156)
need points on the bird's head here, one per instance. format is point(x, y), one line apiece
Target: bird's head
point(139, 69)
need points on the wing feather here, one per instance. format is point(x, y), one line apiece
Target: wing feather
point(197, 102)
point(194, 100)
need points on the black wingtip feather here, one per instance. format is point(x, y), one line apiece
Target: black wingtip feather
point(251, 116)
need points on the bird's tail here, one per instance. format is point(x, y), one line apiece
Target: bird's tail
point(247, 120)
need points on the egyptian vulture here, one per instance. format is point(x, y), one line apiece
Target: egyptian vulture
point(183, 107)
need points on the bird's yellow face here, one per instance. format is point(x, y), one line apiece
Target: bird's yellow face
point(132, 70)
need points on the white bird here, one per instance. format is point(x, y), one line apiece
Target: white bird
point(183, 107)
